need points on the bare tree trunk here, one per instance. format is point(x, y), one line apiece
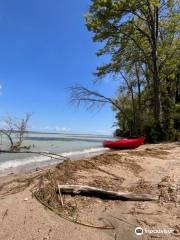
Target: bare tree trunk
point(156, 80)
point(139, 100)
point(134, 111)
point(130, 88)
point(153, 25)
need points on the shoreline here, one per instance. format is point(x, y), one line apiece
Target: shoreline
point(41, 162)
point(152, 169)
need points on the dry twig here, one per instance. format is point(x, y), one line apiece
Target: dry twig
point(59, 189)
point(68, 218)
point(5, 214)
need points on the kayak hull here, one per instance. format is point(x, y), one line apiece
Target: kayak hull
point(124, 143)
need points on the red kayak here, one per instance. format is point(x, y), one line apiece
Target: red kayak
point(124, 143)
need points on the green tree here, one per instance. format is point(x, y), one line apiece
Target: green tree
point(141, 35)
point(141, 39)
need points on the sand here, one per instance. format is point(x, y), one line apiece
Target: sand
point(153, 169)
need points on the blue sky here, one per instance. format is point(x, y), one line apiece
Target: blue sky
point(45, 48)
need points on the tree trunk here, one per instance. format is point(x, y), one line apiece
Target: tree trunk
point(177, 95)
point(139, 101)
point(156, 80)
point(134, 127)
point(156, 84)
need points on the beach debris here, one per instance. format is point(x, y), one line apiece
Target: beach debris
point(176, 230)
point(26, 199)
point(18, 184)
point(98, 192)
point(5, 214)
point(38, 169)
point(69, 218)
point(60, 195)
point(169, 190)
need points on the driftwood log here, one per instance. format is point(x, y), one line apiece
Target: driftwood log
point(101, 193)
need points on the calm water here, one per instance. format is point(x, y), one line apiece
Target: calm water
point(70, 145)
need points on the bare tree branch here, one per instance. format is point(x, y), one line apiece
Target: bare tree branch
point(80, 94)
point(16, 127)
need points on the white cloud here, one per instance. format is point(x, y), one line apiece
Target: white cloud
point(66, 129)
point(63, 129)
point(3, 124)
point(51, 129)
point(104, 131)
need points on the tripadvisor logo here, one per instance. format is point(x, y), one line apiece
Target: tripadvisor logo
point(138, 231)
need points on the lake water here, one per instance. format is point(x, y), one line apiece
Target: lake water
point(69, 145)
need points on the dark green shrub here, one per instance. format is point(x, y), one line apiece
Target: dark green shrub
point(154, 132)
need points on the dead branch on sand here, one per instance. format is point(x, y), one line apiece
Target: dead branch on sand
point(47, 154)
point(93, 191)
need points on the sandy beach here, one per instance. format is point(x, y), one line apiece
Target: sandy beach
point(152, 169)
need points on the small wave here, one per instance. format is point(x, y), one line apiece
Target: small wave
point(29, 160)
point(25, 161)
point(84, 152)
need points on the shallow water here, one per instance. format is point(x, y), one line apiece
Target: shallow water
point(70, 145)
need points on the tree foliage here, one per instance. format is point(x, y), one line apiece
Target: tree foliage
point(141, 38)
